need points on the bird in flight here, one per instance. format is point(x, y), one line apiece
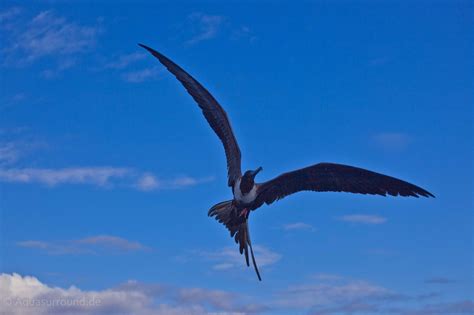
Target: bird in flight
point(249, 195)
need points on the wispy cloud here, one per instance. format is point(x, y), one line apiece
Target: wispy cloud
point(243, 32)
point(326, 277)
point(311, 295)
point(328, 294)
point(13, 100)
point(392, 141)
point(13, 150)
point(89, 245)
point(299, 226)
point(18, 97)
point(217, 298)
point(465, 307)
point(126, 66)
point(62, 65)
point(206, 26)
point(100, 176)
point(439, 280)
point(46, 35)
point(9, 153)
point(111, 241)
point(12, 131)
point(139, 76)
point(123, 61)
point(149, 182)
point(104, 176)
point(9, 13)
point(229, 257)
point(363, 219)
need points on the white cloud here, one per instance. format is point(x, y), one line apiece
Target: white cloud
point(207, 26)
point(100, 176)
point(88, 245)
point(299, 226)
point(363, 218)
point(24, 295)
point(28, 296)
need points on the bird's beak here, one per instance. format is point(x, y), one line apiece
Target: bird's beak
point(258, 170)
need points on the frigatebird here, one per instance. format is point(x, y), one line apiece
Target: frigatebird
point(249, 195)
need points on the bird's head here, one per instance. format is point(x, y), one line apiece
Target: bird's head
point(251, 174)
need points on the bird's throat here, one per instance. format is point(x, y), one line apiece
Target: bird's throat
point(246, 185)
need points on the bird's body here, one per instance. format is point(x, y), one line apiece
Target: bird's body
point(249, 195)
point(244, 197)
point(245, 188)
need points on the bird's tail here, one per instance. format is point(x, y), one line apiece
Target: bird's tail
point(227, 213)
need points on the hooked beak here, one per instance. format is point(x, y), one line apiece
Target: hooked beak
point(258, 170)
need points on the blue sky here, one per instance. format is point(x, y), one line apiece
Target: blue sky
point(107, 167)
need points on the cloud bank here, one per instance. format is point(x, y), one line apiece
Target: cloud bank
point(26, 295)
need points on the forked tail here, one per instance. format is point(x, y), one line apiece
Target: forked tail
point(226, 213)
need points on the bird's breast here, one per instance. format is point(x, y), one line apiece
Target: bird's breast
point(244, 198)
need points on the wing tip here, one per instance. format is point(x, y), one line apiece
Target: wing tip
point(427, 194)
point(422, 192)
point(151, 51)
point(143, 46)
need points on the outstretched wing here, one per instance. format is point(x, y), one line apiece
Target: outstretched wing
point(215, 115)
point(335, 177)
